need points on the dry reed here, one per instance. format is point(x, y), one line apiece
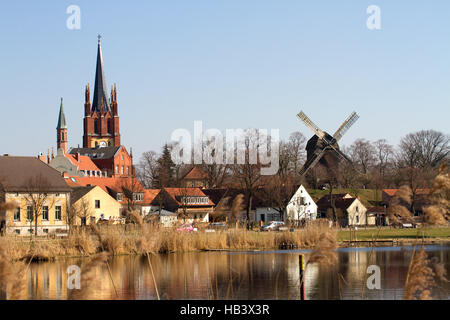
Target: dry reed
point(12, 276)
point(420, 278)
point(89, 278)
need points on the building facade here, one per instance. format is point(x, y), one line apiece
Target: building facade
point(39, 195)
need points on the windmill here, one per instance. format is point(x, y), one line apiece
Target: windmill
point(323, 145)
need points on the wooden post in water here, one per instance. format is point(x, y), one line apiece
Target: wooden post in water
point(301, 264)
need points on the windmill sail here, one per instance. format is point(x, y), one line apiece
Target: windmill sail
point(312, 162)
point(345, 126)
point(308, 122)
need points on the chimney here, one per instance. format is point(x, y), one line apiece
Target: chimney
point(41, 157)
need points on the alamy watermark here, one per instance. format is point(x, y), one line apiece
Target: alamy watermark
point(374, 20)
point(374, 280)
point(74, 277)
point(73, 22)
point(238, 146)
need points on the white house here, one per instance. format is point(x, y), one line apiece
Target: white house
point(301, 206)
point(267, 214)
point(166, 218)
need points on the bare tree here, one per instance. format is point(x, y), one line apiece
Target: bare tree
point(296, 146)
point(38, 196)
point(384, 153)
point(132, 190)
point(424, 149)
point(82, 209)
point(147, 169)
point(362, 154)
point(249, 173)
point(277, 192)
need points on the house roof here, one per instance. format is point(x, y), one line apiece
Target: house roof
point(107, 184)
point(195, 174)
point(392, 192)
point(97, 153)
point(341, 202)
point(375, 209)
point(82, 162)
point(29, 173)
point(79, 192)
point(177, 193)
point(216, 195)
point(150, 195)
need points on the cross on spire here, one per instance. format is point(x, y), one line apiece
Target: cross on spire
point(99, 38)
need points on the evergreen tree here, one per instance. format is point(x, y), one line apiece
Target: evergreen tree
point(166, 169)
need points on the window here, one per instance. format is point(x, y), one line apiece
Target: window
point(120, 196)
point(96, 128)
point(121, 170)
point(128, 171)
point(109, 126)
point(29, 213)
point(17, 231)
point(117, 169)
point(357, 219)
point(122, 157)
point(45, 213)
point(58, 213)
point(357, 209)
point(45, 231)
point(17, 215)
point(97, 204)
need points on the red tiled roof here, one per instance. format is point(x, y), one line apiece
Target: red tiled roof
point(82, 162)
point(186, 192)
point(150, 195)
point(392, 192)
point(113, 183)
point(196, 174)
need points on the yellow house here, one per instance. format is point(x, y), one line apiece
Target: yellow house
point(37, 195)
point(93, 204)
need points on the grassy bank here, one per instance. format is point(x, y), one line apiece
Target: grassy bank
point(435, 233)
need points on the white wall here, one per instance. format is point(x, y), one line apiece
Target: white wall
point(305, 209)
point(270, 214)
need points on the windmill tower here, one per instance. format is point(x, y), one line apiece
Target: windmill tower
point(323, 148)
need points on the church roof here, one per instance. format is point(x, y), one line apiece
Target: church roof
point(62, 118)
point(82, 162)
point(100, 93)
point(97, 153)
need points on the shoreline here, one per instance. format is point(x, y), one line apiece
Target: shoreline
point(137, 242)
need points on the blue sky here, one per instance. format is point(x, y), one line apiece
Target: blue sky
point(231, 64)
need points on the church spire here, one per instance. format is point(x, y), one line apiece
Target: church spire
point(100, 92)
point(61, 130)
point(62, 118)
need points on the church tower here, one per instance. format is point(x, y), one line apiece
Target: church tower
point(61, 130)
point(101, 119)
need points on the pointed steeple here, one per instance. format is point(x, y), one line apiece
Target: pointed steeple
point(100, 92)
point(62, 118)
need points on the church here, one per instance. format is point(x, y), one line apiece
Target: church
point(102, 154)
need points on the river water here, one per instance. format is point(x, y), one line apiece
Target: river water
point(234, 275)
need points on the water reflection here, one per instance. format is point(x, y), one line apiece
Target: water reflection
point(235, 275)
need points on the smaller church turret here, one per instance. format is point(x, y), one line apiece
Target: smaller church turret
point(61, 130)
